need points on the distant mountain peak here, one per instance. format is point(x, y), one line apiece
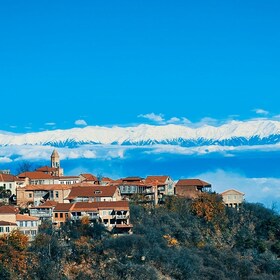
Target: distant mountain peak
point(234, 133)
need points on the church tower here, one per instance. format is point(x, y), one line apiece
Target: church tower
point(55, 162)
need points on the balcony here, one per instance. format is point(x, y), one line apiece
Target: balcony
point(121, 217)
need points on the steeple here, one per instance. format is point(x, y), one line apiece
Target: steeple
point(55, 162)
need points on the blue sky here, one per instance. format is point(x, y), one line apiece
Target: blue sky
point(107, 62)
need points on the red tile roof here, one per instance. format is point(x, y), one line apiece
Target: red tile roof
point(35, 175)
point(89, 177)
point(46, 187)
point(92, 191)
point(46, 169)
point(20, 217)
point(5, 223)
point(63, 207)
point(157, 179)
point(47, 204)
point(7, 178)
point(86, 206)
point(7, 209)
point(192, 182)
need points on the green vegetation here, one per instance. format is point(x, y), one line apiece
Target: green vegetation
point(182, 239)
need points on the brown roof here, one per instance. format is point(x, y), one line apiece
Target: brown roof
point(63, 207)
point(157, 179)
point(35, 175)
point(89, 177)
point(7, 178)
point(92, 191)
point(47, 204)
point(117, 205)
point(5, 223)
point(232, 191)
point(46, 169)
point(192, 182)
point(7, 209)
point(106, 179)
point(20, 217)
point(67, 177)
point(47, 187)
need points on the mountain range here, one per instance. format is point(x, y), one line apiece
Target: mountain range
point(234, 133)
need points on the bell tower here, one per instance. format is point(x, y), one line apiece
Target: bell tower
point(55, 162)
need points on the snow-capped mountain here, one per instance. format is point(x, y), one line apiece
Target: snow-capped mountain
point(235, 133)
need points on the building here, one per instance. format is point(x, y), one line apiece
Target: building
point(84, 192)
point(233, 198)
point(11, 219)
point(114, 215)
point(190, 188)
point(55, 163)
point(27, 225)
point(7, 227)
point(136, 187)
point(165, 185)
point(34, 195)
point(43, 211)
point(37, 178)
point(89, 178)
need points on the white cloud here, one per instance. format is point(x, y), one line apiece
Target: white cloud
point(262, 190)
point(153, 117)
point(173, 120)
point(5, 160)
point(50, 123)
point(261, 111)
point(80, 122)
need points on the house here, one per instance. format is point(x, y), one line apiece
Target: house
point(8, 183)
point(27, 225)
point(131, 187)
point(8, 213)
point(7, 227)
point(43, 211)
point(89, 178)
point(190, 188)
point(114, 215)
point(233, 198)
point(89, 192)
point(11, 219)
point(37, 178)
point(68, 180)
point(34, 195)
point(165, 185)
point(106, 181)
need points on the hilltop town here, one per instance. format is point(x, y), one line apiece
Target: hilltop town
point(46, 194)
point(87, 226)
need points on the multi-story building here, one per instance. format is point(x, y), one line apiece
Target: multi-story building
point(114, 215)
point(34, 195)
point(89, 192)
point(28, 225)
point(233, 198)
point(191, 188)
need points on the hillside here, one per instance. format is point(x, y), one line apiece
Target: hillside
point(182, 239)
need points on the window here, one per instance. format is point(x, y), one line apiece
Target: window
point(32, 223)
point(7, 229)
point(25, 223)
point(56, 215)
point(1, 229)
point(30, 195)
point(61, 215)
point(56, 194)
point(21, 224)
point(10, 186)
